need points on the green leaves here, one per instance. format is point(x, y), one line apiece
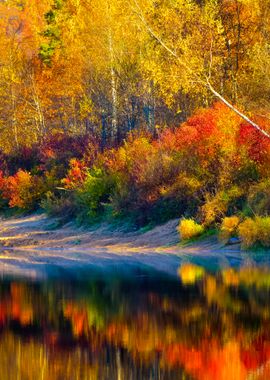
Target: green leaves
point(47, 50)
point(52, 33)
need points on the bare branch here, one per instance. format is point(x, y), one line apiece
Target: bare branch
point(150, 30)
point(205, 83)
point(239, 113)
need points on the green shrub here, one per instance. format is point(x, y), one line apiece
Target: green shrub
point(189, 229)
point(96, 191)
point(61, 206)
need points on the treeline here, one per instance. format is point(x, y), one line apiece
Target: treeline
point(212, 166)
point(107, 109)
point(110, 67)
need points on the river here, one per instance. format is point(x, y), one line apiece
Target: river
point(202, 323)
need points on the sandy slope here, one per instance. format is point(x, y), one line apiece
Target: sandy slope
point(31, 247)
point(36, 231)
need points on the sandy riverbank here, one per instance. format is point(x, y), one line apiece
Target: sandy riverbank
point(29, 246)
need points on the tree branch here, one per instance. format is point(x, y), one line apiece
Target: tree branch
point(207, 82)
point(239, 113)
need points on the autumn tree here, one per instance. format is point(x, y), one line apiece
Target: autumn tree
point(190, 50)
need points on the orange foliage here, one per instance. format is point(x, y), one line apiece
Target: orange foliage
point(22, 190)
point(16, 308)
point(15, 185)
point(76, 174)
point(198, 166)
point(133, 158)
point(210, 361)
point(257, 354)
point(201, 132)
point(78, 318)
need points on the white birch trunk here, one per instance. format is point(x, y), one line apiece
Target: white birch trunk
point(114, 129)
point(204, 82)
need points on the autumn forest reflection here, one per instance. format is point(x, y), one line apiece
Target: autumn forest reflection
point(201, 325)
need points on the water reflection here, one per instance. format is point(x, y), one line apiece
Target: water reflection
point(201, 326)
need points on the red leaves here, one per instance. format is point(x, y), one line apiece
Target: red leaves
point(76, 174)
point(200, 131)
point(214, 130)
point(59, 149)
point(257, 145)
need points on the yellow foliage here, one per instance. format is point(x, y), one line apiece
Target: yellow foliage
point(228, 227)
point(190, 273)
point(188, 229)
point(264, 230)
point(230, 277)
point(256, 230)
point(248, 232)
point(210, 288)
point(216, 207)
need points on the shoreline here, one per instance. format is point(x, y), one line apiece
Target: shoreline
point(31, 248)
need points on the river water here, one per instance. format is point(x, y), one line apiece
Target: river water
point(198, 324)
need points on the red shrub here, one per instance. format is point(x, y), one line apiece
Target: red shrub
point(198, 133)
point(76, 174)
point(257, 145)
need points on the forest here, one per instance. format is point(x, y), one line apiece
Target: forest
point(138, 112)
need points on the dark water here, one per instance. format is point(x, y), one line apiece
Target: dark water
point(200, 325)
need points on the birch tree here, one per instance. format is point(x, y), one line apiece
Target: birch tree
point(187, 51)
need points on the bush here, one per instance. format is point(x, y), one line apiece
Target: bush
point(257, 145)
point(259, 198)
point(203, 169)
point(76, 175)
point(24, 157)
point(58, 149)
point(223, 202)
point(255, 232)
point(23, 190)
point(248, 233)
point(151, 182)
point(62, 206)
point(228, 228)
point(264, 230)
point(96, 190)
point(189, 229)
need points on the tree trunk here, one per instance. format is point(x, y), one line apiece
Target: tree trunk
point(114, 129)
point(14, 119)
point(205, 82)
point(41, 120)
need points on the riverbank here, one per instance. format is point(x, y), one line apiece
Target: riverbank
point(31, 246)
